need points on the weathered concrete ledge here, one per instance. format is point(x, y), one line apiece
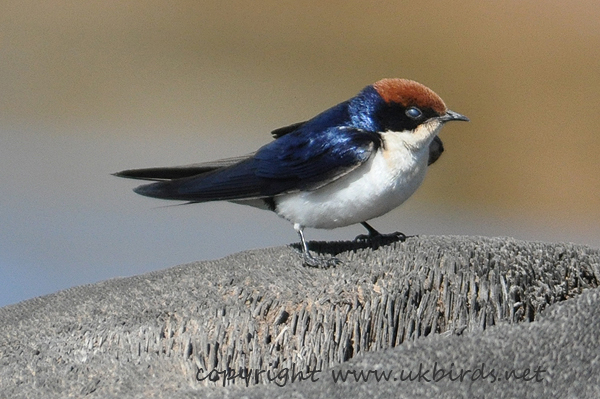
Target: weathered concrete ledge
point(159, 334)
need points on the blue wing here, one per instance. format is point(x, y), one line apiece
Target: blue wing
point(303, 159)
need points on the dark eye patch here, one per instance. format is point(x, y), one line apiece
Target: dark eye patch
point(396, 117)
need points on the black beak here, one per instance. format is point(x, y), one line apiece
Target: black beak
point(453, 116)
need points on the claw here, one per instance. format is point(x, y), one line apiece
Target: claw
point(363, 238)
point(312, 261)
point(395, 236)
point(376, 237)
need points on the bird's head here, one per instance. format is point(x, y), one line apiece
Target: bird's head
point(402, 106)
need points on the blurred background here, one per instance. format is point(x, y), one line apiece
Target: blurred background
point(91, 88)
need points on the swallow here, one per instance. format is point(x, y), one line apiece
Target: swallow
point(349, 164)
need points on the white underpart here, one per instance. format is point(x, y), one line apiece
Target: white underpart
point(381, 184)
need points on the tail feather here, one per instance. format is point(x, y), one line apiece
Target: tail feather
point(237, 182)
point(179, 172)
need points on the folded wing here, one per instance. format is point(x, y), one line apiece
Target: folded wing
point(299, 160)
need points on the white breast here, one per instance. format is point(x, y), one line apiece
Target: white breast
point(381, 184)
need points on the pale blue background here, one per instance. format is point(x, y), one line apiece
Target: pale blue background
point(91, 88)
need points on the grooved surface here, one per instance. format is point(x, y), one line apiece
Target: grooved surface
point(262, 310)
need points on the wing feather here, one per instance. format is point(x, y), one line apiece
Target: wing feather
point(296, 161)
point(178, 172)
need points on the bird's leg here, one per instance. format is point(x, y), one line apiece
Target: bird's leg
point(374, 235)
point(310, 260)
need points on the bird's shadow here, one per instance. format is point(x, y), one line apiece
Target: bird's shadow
point(335, 248)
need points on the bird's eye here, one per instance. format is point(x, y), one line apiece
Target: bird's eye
point(414, 113)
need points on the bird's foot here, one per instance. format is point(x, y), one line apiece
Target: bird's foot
point(379, 238)
point(313, 261)
point(319, 262)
